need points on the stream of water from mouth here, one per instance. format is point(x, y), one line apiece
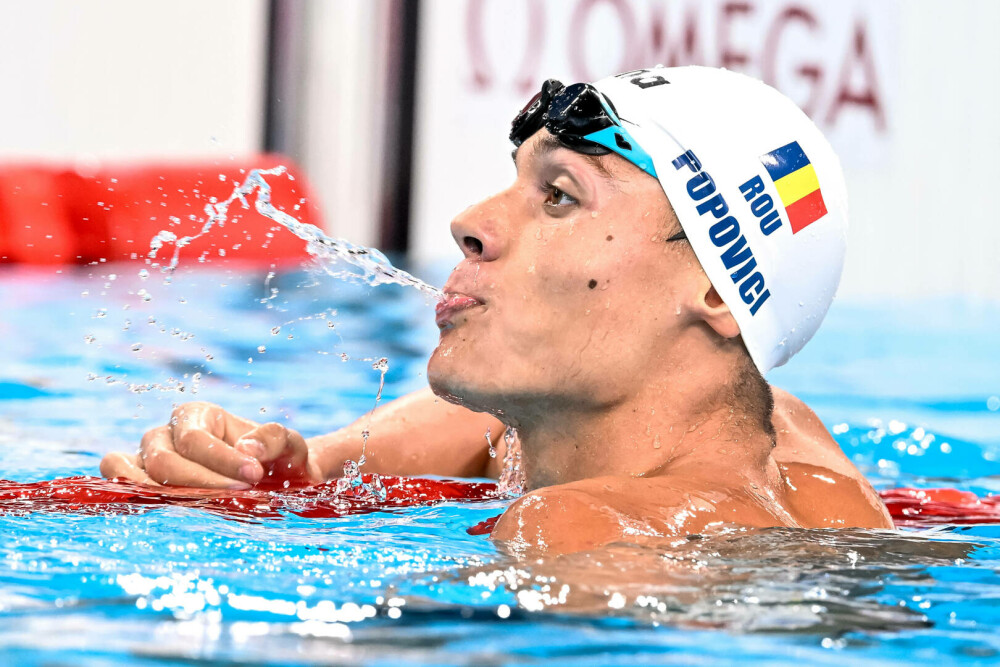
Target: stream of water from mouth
point(375, 269)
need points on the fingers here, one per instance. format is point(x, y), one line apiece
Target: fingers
point(210, 452)
point(205, 446)
point(201, 416)
point(282, 449)
point(269, 442)
point(165, 465)
point(203, 432)
point(118, 465)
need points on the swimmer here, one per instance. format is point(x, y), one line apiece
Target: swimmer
point(672, 234)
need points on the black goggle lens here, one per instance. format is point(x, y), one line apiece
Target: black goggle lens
point(535, 112)
point(570, 113)
point(577, 110)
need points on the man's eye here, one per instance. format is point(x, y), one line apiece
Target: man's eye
point(556, 197)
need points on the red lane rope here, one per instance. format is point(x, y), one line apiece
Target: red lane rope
point(68, 214)
point(921, 508)
point(92, 495)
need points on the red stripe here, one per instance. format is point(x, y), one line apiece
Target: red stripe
point(806, 211)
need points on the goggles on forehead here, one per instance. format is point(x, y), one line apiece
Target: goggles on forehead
point(583, 119)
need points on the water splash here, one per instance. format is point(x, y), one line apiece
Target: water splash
point(169, 385)
point(352, 480)
point(353, 484)
point(375, 268)
point(511, 482)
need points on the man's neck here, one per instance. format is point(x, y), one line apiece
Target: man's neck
point(657, 430)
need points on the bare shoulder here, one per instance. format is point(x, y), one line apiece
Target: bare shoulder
point(597, 511)
point(564, 518)
point(792, 413)
point(825, 488)
point(802, 437)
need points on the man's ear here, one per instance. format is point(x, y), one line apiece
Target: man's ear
point(711, 308)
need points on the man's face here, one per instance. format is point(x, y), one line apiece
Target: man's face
point(569, 294)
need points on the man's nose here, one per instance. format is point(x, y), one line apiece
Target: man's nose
point(480, 231)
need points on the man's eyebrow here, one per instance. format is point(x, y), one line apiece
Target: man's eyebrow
point(549, 144)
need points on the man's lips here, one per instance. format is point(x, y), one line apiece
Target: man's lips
point(451, 304)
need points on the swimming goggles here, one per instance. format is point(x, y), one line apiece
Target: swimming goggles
point(583, 119)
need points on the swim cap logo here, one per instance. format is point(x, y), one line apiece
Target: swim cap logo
point(735, 252)
point(797, 185)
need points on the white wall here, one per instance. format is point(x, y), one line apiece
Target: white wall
point(920, 173)
point(122, 79)
point(343, 115)
point(141, 80)
point(926, 223)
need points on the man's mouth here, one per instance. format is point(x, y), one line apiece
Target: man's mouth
point(452, 304)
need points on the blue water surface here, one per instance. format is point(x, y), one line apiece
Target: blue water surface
point(911, 392)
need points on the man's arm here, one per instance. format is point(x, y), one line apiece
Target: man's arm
point(418, 434)
point(205, 446)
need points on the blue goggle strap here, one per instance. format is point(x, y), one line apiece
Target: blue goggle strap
point(616, 138)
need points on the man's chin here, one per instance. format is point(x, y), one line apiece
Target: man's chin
point(452, 380)
point(442, 377)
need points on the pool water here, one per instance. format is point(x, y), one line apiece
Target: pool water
point(94, 356)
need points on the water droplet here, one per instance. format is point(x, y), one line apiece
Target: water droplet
point(261, 349)
point(489, 444)
point(136, 347)
point(143, 274)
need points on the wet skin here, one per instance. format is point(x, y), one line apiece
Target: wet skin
point(817, 487)
point(572, 319)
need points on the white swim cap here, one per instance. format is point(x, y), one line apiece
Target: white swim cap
point(756, 187)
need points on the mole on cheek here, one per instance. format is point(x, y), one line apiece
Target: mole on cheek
point(592, 284)
point(610, 237)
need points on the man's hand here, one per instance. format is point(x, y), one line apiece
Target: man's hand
point(205, 446)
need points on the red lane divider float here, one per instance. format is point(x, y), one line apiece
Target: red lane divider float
point(913, 508)
point(93, 495)
point(921, 508)
point(59, 214)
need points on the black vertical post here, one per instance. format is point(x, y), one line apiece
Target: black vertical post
point(394, 233)
point(282, 74)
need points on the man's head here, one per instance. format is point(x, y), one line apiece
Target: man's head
point(574, 290)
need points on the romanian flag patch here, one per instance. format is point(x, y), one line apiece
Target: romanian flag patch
point(797, 185)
